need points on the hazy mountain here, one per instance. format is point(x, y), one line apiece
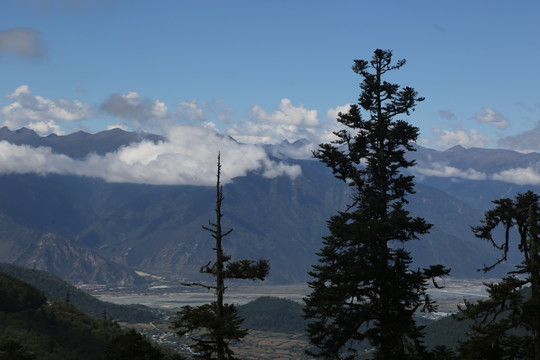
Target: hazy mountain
point(477, 176)
point(78, 144)
point(484, 160)
point(44, 250)
point(158, 228)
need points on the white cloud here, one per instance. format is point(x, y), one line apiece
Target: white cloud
point(262, 133)
point(118, 126)
point(493, 117)
point(141, 112)
point(472, 138)
point(332, 114)
point(41, 114)
point(20, 91)
point(520, 176)
point(154, 115)
point(187, 157)
point(288, 123)
point(193, 111)
point(442, 170)
point(299, 150)
point(22, 42)
point(45, 127)
point(287, 114)
point(25, 159)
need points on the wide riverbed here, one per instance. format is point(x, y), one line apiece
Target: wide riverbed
point(448, 298)
point(236, 295)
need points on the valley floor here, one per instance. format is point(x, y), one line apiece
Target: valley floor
point(260, 344)
point(453, 293)
point(171, 299)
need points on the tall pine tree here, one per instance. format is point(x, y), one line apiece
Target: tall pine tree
point(213, 327)
point(363, 288)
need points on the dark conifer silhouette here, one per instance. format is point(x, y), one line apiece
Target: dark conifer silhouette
point(213, 327)
point(363, 288)
point(507, 324)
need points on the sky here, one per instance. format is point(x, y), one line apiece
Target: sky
point(262, 72)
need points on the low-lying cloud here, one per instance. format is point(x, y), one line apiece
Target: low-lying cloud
point(520, 176)
point(441, 170)
point(187, 157)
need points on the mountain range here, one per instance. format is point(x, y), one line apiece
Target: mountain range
point(87, 230)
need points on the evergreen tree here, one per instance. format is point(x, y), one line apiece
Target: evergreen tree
point(441, 352)
point(214, 326)
point(363, 288)
point(131, 345)
point(507, 324)
point(12, 350)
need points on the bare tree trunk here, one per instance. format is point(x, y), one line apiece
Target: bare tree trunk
point(220, 284)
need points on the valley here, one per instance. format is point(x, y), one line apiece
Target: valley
point(262, 344)
point(135, 244)
point(101, 232)
point(169, 299)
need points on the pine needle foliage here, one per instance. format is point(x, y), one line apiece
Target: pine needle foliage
point(363, 287)
point(507, 324)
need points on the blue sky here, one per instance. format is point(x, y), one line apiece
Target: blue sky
point(264, 72)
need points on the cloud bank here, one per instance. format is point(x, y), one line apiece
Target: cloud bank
point(442, 170)
point(197, 130)
point(521, 176)
point(188, 157)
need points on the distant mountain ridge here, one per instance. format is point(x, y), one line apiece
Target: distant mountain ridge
point(485, 160)
point(78, 144)
point(116, 228)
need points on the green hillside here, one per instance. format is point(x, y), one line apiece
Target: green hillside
point(273, 315)
point(55, 288)
point(33, 328)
